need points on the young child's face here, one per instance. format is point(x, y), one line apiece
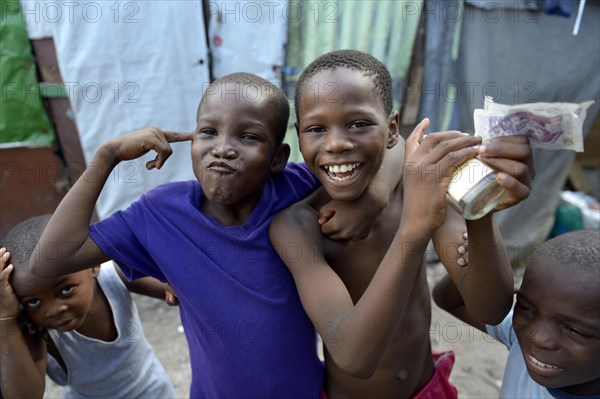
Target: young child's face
point(343, 130)
point(60, 303)
point(557, 322)
point(234, 143)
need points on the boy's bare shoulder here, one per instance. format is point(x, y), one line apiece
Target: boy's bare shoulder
point(303, 215)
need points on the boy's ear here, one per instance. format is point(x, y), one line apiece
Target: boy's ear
point(95, 271)
point(393, 129)
point(280, 159)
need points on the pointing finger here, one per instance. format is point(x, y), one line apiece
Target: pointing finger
point(173, 137)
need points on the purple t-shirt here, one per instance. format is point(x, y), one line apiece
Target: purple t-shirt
point(247, 332)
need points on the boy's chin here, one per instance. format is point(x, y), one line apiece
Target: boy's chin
point(67, 325)
point(342, 195)
point(349, 190)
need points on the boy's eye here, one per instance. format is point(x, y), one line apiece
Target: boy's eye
point(67, 290)
point(520, 307)
point(576, 332)
point(315, 129)
point(32, 304)
point(207, 131)
point(249, 137)
point(359, 124)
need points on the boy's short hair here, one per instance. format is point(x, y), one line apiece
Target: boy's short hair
point(22, 239)
point(355, 60)
point(579, 249)
point(278, 100)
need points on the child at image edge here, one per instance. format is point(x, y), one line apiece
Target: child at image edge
point(369, 298)
point(553, 332)
point(84, 329)
point(208, 238)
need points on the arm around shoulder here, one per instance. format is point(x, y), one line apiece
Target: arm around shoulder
point(148, 286)
point(363, 329)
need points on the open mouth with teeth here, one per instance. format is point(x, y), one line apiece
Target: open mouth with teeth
point(342, 172)
point(541, 364)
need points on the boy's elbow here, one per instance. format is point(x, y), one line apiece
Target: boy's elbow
point(40, 268)
point(438, 298)
point(496, 318)
point(491, 314)
point(441, 300)
point(35, 266)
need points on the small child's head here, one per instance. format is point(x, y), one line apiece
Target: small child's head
point(60, 303)
point(345, 121)
point(557, 314)
point(242, 120)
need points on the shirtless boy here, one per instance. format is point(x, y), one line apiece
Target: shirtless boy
point(369, 298)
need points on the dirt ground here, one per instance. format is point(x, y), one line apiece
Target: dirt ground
point(477, 372)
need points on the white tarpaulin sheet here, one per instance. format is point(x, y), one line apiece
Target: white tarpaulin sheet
point(128, 65)
point(247, 36)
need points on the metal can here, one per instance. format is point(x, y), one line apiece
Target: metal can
point(473, 191)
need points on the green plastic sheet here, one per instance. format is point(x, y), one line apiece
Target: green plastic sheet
point(23, 120)
point(386, 29)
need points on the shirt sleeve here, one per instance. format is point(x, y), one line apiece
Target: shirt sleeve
point(301, 181)
point(122, 237)
point(504, 331)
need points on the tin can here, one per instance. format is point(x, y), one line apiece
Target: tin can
point(473, 191)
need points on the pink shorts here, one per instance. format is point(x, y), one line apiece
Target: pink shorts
point(439, 386)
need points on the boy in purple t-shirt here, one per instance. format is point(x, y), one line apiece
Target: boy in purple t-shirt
point(247, 332)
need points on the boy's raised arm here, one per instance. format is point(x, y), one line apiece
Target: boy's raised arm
point(65, 246)
point(447, 297)
point(22, 356)
point(486, 284)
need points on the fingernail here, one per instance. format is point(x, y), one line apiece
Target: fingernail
point(461, 261)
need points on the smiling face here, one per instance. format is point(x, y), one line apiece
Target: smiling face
point(234, 147)
point(557, 322)
point(59, 303)
point(343, 130)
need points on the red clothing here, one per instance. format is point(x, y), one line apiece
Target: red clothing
point(439, 386)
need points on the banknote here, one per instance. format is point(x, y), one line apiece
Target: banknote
point(554, 126)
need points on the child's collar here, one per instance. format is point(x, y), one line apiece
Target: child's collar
point(560, 394)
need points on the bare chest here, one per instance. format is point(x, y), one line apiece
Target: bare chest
point(355, 262)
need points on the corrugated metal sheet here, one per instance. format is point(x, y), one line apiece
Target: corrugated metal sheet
point(386, 29)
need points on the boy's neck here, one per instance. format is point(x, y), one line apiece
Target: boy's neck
point(99, 322)
point(228, 215)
